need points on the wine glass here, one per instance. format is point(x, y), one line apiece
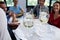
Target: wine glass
point(28, 20)
point(43, 17)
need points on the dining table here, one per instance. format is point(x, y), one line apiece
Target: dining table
point(39, 31)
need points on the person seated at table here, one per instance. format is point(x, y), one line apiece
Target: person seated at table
point(13, 22)
point(16, 9)
point(11, 25)
point(4, 35)
point(40, 8)
point(10, 15)
point(54, 18)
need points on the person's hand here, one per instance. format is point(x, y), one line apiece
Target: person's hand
point(14, 25)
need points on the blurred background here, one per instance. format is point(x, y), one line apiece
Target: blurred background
point(27, 5)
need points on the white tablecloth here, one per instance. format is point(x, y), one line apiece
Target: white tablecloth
point(39, 31)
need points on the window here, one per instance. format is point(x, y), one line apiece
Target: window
point(47, 2)
point(1, 0)
point(53, 2)
point(35, 2)
point(32, 2)
point(9, 3)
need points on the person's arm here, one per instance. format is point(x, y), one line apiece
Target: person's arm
point(14, 19)
point(35, 11)
point(4, 35)
point(14, 22)
point(20, 14)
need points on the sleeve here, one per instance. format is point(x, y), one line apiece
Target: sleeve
point(19, 7)
point(4, 35)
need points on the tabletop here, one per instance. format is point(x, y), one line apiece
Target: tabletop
point(38, 31)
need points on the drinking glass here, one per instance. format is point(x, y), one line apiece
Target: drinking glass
point(28, 20)
point(44, 17)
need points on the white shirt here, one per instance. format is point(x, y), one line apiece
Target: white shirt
point(4, 35)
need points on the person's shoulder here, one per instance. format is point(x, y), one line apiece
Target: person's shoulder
point(46, 7)
point(18, 6)
point(37, 6)
point(1, 11)
point(11, 7)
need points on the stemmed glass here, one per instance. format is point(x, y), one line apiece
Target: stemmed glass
point(44, 17)
point(28, 20)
